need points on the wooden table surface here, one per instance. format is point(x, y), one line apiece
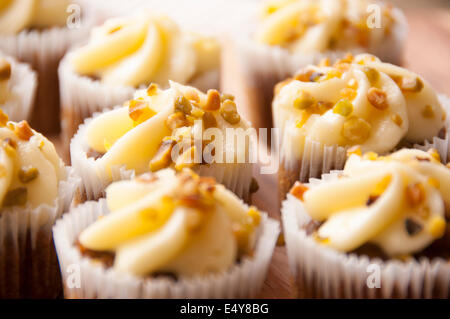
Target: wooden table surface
point(427, 53)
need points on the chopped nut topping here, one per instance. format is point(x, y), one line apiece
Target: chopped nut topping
point(315, 76)
point(428, 112)
point(28, 174)
point(229, 112)
point(10, 146)
point(397, 119)
point(303, 75)
point(414, 85)
point(212, 101)
point(382, 185)
point(3, 118)
point(255, 215)
point(412, 227)
point(298, 190)
point(5, 70)
point(254, 186)
point(415, 194)
point(356, 130)
point(163, 156)
point(348, 93)
point(152, 89)
point(436, 226)
point(15, 197)
point(352, 84)
point(372, 74)
point(372, 199)
point(23, 131)
point(139, 111)
point(354, 150)
point(377, 98)
point(371, 156)
point(192, 95)
point(304, 100)
point(343, 107)
point(183, 105)
point(176, 120)
point(434, 154)
point(209, 120)
point(196, 112)
point(226, 96)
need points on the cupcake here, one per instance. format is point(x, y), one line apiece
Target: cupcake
point(177, 127)
point(383, 231)
point(165, 235)
point(39, 32)
point(326, 109)
point(17, 88)
point(286, 35)
point(35, 189)
point(130, 52)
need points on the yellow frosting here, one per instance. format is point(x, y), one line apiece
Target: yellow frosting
point(148, 126)
point(357, 101)
point(178, 223)
point(30, 168)
point(18, 15)
point(321, 25)
point(145, 48)
point(397, 202)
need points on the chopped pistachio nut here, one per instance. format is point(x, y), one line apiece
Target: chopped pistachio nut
point(196, 112)
point(356, 130)
point(152, 89)
point(192, 95)
point(5, 69)
point(372, 74)
point(226, 96)
point(343, 107)
point(15, 197)
point(298, 190)
point(176, 120)
point(414, 85)
point(354, 150)
point(377, 98)
point(28, 174)
point(23, 131)
point(436, 226)
point(304, 100)
point(428, 112)
point(321, 107)
point(212, 101)
point(348, 93)
point(397, 119)
point(209, 120)
point(183, 105)
point(139, 111)
point(3, 118)
point(10, 146)
point(186, 159)
point(229, 112)
point(415, 194)
point(315, 76)
point(303, 75)
point(163, 156)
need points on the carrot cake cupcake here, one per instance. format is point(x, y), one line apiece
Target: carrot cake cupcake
point(286, 35)
point(358, 101)
point(39, 32)
point(382, 232)
point(130, 52)
point(35, 189)
point(177, 127)
point(166, 235)
point(17, 88)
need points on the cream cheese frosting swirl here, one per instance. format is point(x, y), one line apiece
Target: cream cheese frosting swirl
point(18, 15)
point(321, 25)
point(161, 128)
point(398, 202)
point(173, 223)
point(357, 101)
point(30, 169)
point(145, 48)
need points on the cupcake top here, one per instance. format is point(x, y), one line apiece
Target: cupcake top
point(18, 15)
point(180, 224)
point(321, 25)
point(30, 168)
point(358, 101)
point(145, 48)
point(398, 202)
point(5, 79)
point(162, 128)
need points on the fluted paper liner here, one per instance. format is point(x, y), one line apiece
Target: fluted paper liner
point(82, 96)
point(235, 176)
point(43, 50)
point(241, 281)
point(322, 272)
point(28, 263)
point(23, 84)
point(320, 159)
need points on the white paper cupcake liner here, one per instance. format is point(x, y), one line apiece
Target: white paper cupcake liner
point(322, 272)
point(241, 281)
point(82, 96)
point(28, 264)
point(23, 84)
point(318, 159)
point(43, 50)
point(235, 176)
